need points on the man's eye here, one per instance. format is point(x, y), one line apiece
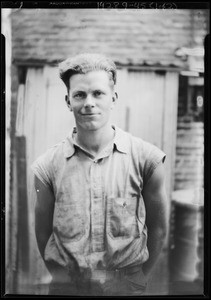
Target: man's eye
point(97, 93)
point(79, 95)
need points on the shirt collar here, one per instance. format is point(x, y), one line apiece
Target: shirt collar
point(69, 148)
point(120, 141)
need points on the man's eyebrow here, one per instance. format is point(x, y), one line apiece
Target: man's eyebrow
point(78, 91)
point(96, 88)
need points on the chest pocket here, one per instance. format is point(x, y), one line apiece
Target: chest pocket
point(121, 219)
point(68, 222)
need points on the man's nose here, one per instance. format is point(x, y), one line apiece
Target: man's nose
point(89, 101)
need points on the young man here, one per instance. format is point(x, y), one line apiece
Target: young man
point(101, 210)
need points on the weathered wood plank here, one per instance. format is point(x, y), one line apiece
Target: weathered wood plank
point(23, 225)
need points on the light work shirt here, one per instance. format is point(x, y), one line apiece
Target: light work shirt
point(99, 213)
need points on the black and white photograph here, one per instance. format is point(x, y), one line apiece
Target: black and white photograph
point(104, 149)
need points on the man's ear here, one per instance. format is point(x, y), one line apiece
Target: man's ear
point(67, 100)
point(114, 98)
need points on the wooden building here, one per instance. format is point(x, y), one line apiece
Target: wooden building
point(150, 48)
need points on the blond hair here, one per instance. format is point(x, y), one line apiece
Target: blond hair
point(84, 63)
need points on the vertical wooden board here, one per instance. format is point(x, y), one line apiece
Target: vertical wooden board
point(22, 215)
point(13, 278)
point(143, 93)
point(12, 272)
point(169, 133)
point(119, 111)
point(60, 120)
point(20, 110)
point(7, 32)
point(34, 112)
point(144, 98)
point(170, 127)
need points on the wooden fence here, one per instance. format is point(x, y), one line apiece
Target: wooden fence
point(147, 107)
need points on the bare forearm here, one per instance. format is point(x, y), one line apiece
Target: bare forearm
point(44, 210)
point(156, 203)
point(156, 240)
point(42, 235)
point(43, 232)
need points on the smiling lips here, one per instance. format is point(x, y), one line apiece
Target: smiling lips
point(89, 114)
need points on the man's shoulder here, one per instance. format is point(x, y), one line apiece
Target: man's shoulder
point(133, 139)
point(137, 145)
point(55, 152)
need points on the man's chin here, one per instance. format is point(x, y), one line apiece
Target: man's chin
point(91, 126)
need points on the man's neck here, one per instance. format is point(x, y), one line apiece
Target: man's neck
point(94, 141)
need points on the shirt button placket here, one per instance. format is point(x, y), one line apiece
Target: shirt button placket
point(97, 208)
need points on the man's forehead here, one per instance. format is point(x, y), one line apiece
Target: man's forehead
point(93, 78)
point(90, 74)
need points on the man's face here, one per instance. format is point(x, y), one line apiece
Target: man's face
point(91, 99)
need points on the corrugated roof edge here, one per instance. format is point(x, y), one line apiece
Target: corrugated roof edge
point(139, 65)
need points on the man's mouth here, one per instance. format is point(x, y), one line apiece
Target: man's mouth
point(89, 114)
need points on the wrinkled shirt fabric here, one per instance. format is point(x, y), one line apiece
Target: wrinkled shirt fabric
point(99, 213)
